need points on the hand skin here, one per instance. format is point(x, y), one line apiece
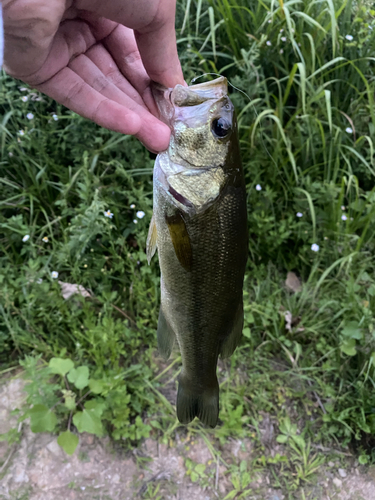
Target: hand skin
point(97, 57)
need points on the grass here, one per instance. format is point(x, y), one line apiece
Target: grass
point(307, 122)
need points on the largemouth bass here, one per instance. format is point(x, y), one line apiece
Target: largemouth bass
point(199, 226)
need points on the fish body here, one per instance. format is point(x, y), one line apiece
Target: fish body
point(199, 227)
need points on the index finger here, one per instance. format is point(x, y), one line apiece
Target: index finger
point(153, 24)
point(157, 46)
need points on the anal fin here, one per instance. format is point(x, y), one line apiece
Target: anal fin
point(230, 343)
point(165, 335)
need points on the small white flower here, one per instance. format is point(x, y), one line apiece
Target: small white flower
point(55, 117)
point(258, 187)
point(349, 37)
point(140, 214)
point(281, 30)
point(109, 214)
point(24, 98)
point(283, 38)
point(299, 214)
point(25, 238)
point(188, 46)
point(23, 89)
point(349, 130)
point(344, 217)
point(29, 116)
point(268, 43)
point(10, 154)
point(54, 275)
point(315, 247)
point(21, 132)
point(342, 207)
point(39, 281)
point(132, 205)
point(135, 221)
point(45, 239)
point(270, 20)
point(281, 51)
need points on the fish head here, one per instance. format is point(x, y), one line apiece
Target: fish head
point(202, 122)
point(204, 149)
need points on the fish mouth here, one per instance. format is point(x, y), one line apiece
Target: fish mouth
point(167, 99)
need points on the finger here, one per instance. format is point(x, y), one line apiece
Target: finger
point(103, 60)
point(124, 50)
point(72, 91)
point(153, 24)
point(92, 75)
point(121, 44)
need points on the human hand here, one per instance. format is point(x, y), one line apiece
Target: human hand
point(97, 58)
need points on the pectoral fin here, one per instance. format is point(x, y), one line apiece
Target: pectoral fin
point(151, 240)
point(180, 239)
point(165, 335)
point(230, 343)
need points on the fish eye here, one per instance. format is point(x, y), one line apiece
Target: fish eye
point(220, 127)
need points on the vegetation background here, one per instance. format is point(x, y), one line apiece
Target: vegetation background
point(303, 85)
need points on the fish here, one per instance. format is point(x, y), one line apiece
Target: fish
point(199, 228)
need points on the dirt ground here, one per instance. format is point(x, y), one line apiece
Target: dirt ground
point(37, 468)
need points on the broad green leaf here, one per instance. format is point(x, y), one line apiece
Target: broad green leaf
point(70, 402)
point(60, 366)
point(96, 386)
point(348, 347)
point(352, 330)
point(68, 442)
point(246, 332)
point(299, 441)
point(42, 419)
point(96, 406)
point(88, 421)
point(194, 476)
point(200, 468)
point(79, 377)
point(281, 438)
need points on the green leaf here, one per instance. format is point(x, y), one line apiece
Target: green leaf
point(42, 419)
point(60, 366)
point(352, 330)
point(79, 377)
point(96, 406)
point(200, 468)
point(70, 402)
point(194, 476)
point(68, 442)
point(246, 332)
point(87, 421)
point(348, 347)
point(96, 386)
point(299, 441)
point(281, 438)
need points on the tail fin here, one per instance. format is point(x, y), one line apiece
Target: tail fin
point(190, 404)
